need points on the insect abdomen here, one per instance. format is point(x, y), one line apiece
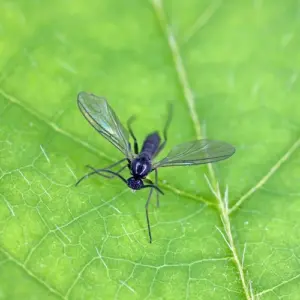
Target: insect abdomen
point(151, 144)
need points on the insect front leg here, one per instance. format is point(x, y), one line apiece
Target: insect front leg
point(106, 176)
point(147, 215)
point(156, 183)
point(96, 171)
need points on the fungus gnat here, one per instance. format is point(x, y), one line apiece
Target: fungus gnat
point(140, 163)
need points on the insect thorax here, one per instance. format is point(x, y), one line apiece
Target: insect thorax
point(141, 166)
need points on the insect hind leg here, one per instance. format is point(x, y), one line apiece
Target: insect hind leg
point(136, 146)
point(169, 118)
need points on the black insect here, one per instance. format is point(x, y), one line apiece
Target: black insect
point(101, 116)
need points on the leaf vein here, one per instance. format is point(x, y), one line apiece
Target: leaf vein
point(263, 180)
point(32, 275)
point(188, 95)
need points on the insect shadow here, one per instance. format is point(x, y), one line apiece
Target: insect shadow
point(140, 163)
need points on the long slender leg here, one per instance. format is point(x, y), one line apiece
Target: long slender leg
point(136, 146)
point(115, 164)
point(147, 215)
point(106, 176)
point(148, 201)
point(156, 183)
point(169, 118)
point(99, 171)
point(108, 167)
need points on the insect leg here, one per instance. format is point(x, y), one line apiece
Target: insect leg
point(136, 146)
point(100, 171)
point(151, 186)
point(108, 167)
point(106, 176)
point(169, 118)
point(156, 183)
point(114, 164)
point(147, 215)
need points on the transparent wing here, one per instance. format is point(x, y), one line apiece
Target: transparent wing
point(196, 153)
point(101, 116)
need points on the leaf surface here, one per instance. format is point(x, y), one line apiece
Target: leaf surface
point(230, 68)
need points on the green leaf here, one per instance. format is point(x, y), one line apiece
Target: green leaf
point(231, 69)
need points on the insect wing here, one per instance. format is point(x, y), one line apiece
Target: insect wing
point(101, 116)
point(195, 153)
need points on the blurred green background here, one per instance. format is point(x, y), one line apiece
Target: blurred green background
point(231, 68)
